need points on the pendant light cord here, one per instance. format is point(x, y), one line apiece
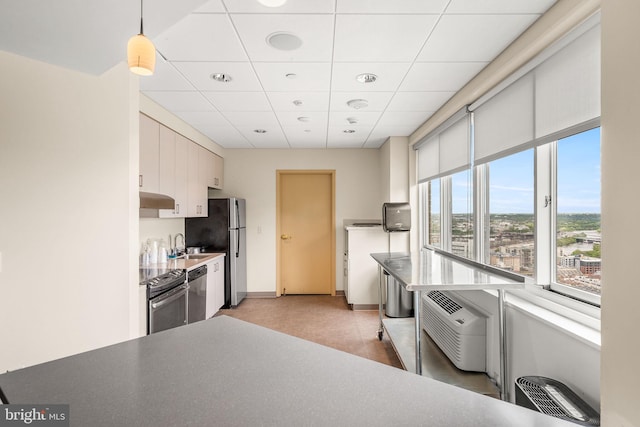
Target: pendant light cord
point(141, 32)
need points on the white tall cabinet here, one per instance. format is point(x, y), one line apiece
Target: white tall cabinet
point(360, 270)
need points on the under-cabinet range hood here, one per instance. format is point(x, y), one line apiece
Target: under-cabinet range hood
point(156, 201)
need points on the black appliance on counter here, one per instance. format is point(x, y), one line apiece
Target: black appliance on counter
point(224, 230)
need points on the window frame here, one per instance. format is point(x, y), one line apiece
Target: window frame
point(545, 184)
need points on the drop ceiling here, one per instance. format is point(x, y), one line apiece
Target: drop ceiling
point(422, 52)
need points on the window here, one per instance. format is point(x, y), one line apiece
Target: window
point(511, 213)
point(462, 214)
point(433, 209)
point(577, 214)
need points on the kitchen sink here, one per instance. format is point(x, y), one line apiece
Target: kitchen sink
point(195, 256)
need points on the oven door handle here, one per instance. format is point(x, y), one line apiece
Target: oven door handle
point(171, 296)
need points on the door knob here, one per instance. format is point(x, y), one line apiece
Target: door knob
point(285, 237)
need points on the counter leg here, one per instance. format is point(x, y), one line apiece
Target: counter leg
point(380, 302)
point(502, 336)
point(417, 298)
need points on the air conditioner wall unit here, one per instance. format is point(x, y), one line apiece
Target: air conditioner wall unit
point(459, 331)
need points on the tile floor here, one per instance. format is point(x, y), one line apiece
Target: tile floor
point(329, 321)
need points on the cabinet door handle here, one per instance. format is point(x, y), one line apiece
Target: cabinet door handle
point(177, 210)
point(139, 180)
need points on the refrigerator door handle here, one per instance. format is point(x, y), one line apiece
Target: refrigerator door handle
point(237, 230)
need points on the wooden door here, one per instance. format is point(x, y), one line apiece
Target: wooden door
point(306, 232)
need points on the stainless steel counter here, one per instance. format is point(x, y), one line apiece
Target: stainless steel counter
point(432, 270)
point(224, 371)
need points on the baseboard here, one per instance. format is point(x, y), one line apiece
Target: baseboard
point(271, 294)
point(339, 293)
point(356, 307)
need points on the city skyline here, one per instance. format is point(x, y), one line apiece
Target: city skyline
point(512, 179)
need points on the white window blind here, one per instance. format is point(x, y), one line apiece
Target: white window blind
point(505, 121)
point(454, 147)
point(558, 94)
point(568, 86)
point(429, 159)
point(445, 150)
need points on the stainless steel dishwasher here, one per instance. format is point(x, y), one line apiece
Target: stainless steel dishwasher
point(197, 280)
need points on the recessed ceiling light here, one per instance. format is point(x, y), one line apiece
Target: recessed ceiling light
point(221, 77)
point(352, 120)
point(260, 131)
point(349, 131)
point(272, 3)
point(284, 41)
point(297, 102)
point(358, 103)
point(303, 119)
point(366, 78)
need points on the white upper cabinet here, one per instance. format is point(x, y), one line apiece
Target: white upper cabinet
point(173, 165)
point(148, 180)
point(197, 185)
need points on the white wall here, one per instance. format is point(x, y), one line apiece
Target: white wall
point(251, 174)
point(537, 346)
point(620, 206)
point(68, 194)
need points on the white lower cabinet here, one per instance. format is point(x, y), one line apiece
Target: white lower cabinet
point(215, 286)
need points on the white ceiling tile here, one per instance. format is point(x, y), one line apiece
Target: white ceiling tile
point(165, 77)
point(306, 138)
point(308, 77)
point(473, 37)
point(197, 38)
point(451, 76)
point(390, 38)
point(315, 121)
point(180, 100)
point(203, 118)
point(311, 101)
point(377, 100)
point(340, 119)
point(418, 101)
point(212, 6)
point(243, 78)
point(253, 120)
point(225, 135)
point(315, 31)
point(499, 6)
point(405, 119)
point(274, 138)
point(292, 6)
point(395, 6)
point(239, 101)
point(390, 74)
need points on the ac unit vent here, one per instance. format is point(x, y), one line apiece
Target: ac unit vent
point(459, 331)
point(447, 304)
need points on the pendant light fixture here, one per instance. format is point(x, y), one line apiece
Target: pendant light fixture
point(141, 53)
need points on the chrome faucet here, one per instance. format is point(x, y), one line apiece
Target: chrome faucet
point(176, 251)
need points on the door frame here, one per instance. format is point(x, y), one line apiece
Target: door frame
point(279, 174)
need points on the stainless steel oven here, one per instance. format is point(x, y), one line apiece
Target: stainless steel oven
point(168, 303)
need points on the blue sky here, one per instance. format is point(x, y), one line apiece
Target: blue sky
point(511, 187)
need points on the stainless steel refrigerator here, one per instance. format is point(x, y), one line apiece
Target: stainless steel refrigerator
point(224, 230)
